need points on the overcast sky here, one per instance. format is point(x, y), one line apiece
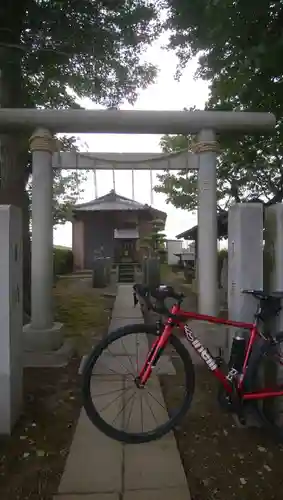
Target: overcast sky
point(165, 94)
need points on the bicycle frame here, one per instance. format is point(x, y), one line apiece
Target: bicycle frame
point(159, 345)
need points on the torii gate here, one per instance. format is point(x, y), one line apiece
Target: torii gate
point(42, 332)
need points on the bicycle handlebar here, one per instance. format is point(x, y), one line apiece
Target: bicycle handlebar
point(160, 293)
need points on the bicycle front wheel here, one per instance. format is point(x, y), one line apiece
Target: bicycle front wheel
point(111, 398)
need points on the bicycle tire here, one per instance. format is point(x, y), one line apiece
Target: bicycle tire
point(121, 435)
point(265, 416)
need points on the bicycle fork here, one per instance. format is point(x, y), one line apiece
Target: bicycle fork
point(154, 355)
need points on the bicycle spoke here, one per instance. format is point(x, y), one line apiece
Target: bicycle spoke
point(109, 404)
point(123, 407)
point(156, 400)
point(128, 355)
point(110, 369)
point(137, 355)
point(110, 392)
point(151, 410)
point(141, 412)
point(129, 416)
point(121, 364)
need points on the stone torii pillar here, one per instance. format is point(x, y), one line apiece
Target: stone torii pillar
point(206, 148)
point(42, 334)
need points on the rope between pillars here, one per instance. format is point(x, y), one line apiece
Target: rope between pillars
point(42, 140)
point(95, 184)
point(133, 184)
point(151, 186)
point(113, 179)
point(162, 156)
point(206, 146)
point(187, 169)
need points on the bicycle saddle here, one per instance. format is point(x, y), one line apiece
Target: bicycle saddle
point(261, 294)
point(160, 292)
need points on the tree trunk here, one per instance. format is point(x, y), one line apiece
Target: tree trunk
point(14, 148)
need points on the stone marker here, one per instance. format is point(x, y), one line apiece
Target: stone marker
point(273, 273)
point(245, 254)
point(10, 317)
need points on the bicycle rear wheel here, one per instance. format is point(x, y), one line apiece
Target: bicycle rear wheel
point(111, 398)
point(268, 373)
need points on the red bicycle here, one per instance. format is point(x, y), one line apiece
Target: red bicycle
point(136, 365)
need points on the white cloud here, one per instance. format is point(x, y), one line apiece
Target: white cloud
point(165, 94)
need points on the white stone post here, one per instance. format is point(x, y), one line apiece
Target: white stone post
point(273, 281)
point(11, 321)
point(42, 334)
point(245, 260)
point(273, 254)
point(206, 148)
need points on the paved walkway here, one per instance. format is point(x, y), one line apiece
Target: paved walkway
point(99, 468)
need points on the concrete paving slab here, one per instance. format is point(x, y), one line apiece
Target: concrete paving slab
point(167, 494)
point(92, 496)
point(94, 463)
point(124, 304)
point(153, 465)
point(123, 311)
point(125, 294)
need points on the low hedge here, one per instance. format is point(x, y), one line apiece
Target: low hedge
point(62, 260)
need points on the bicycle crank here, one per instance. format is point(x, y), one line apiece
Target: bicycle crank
point(232, 403)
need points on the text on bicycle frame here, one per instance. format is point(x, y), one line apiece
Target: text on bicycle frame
point(207, 358)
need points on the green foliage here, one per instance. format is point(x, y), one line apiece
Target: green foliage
point(222, 255)
point(63, 260)
point(67, 188)
point(84, 48)
point(241, 51)
point(67, 185)
point(53, 52)
point(180, 189)
point(155, 240)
